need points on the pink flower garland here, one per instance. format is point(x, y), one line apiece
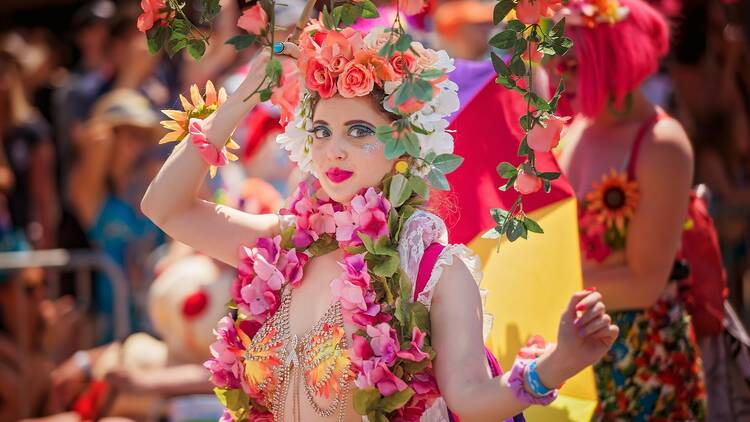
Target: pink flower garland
point(266, 267)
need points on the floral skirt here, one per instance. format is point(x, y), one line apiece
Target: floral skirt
point(653, 371)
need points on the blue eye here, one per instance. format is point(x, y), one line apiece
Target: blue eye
point(361, 131)
point(320, 132)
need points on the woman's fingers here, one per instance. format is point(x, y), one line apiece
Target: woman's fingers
point(595, 325)
point(595, 311)
point(286, 49)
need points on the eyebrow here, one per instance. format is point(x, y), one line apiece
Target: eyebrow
point(320, 122)
point(354, 122)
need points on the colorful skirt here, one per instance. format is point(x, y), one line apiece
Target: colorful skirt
point(653, 371)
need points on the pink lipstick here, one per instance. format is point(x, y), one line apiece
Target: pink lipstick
point(337, 175)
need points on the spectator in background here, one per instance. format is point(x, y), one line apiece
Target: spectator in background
point(106, 184)
point(33, 202)
point(463, 28)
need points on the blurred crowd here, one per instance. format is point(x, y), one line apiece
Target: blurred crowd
point(79, 125)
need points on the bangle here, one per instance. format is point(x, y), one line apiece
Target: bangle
point(518, 377)
point(532, 379)
point(208, 151)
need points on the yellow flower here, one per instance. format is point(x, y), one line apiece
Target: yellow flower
point(402, 166)
point(195, 108)
point(613, 200)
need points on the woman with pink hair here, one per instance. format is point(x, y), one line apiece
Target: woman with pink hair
point(631, 166)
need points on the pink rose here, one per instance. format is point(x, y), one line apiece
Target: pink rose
point(318, 78)
point(355, 81)
point(426, 57)
point(403, 63)
point(530, 11)
point(337, 65)
point(543, 139)
point(291, 265)
point(376, 374)
point(383, 341)
point(527, 183)
point(411, 7)
point(253, 20)
point(151, 13)
point(335, 45)
point(415, 353)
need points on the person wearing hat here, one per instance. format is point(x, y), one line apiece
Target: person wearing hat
point(108, 179)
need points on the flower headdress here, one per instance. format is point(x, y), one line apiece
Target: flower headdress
point(413, 78)
point(590, 13)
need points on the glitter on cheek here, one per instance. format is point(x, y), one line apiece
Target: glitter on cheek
point(370, 148)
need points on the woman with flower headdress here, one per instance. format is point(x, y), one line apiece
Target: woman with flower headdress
point(350, 305)
point(631, 166)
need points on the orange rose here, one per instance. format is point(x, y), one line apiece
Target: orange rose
point(151, 13)
point(411, 7)
point(254, 20)
point(355, 81)
point(527, 183)
point(530, 11)
point(319, 79)
point(337, 65)
point(543, 139)
point(379, 67)
point(411, 105)
point(403, 63)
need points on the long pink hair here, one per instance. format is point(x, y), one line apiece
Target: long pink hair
point(613, 60)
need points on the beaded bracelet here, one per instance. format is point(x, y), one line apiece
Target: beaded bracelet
point(208, 151)
point(524, 371)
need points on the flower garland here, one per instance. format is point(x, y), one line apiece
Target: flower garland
point(390, 353)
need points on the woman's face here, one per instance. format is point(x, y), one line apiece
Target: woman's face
point(346, 154)
point(566, 68)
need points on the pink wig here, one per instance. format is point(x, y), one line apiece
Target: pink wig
point(613, 60)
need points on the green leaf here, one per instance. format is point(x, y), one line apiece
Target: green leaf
point(506, 170)
point(516, 25)
point(499, 64)
point(350, 13)
point(536, 101)
point(419, 186)
point(550, 175)
point(492, 233)
point(398, 190)
point(516, 230)
point(420, 317)
point(367, 241)
point(431, 74)
point(405, 288)
point(396, 400)
point(526, 122)
point(517, 66)
point(558, 30)
point(404, 42)
point(394, 149)
point(384, 133)
point(447, 163)
point(180, 27)
point(273, 70)
point(524, 149)
point(416, 367)
point(403, 92)
point(422, 89)
point(547, 185)
point(323, 245)
point(502, 8)
point(364, 400)
point(532, 225)
point(265, 94)
point(546, 49)
point(337, 12)
point(211, 9)
point(232, 399)
point(327, 19)
point(196, 48)
point(369, 10)
point(175, 45)
point(403, 309)
point(556, 97)
point(506, 81)
point(377, 416)
point(504, 40)
point(499, 215)
point(387, 267)
point(411, 143)
point(242, 41)
point(157, 36)
point(508, 184)
point(438, 180)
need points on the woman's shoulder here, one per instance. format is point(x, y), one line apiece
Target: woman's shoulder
point(667, 151)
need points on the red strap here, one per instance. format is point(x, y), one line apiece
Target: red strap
point(426, 265)
point(636, 148)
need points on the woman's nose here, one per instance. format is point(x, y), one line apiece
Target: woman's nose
point(335, 150)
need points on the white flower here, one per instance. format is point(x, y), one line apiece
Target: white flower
point(297, 140)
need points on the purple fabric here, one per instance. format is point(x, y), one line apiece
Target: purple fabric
point(471, 77)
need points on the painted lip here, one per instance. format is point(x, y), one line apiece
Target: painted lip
point(337, 175)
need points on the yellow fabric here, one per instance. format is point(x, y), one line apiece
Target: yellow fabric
point(529, 284)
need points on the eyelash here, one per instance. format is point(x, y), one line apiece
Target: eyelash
point(368, 131)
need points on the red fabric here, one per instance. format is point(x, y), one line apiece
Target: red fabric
point(426, 265)
point(487, 133)
point(639, 137)
point(259, 123)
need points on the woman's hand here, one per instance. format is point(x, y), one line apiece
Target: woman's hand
point(258, 65)
point(585, 334)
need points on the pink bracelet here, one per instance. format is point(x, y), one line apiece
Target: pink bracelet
point(516, 382)
point(208, 151)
